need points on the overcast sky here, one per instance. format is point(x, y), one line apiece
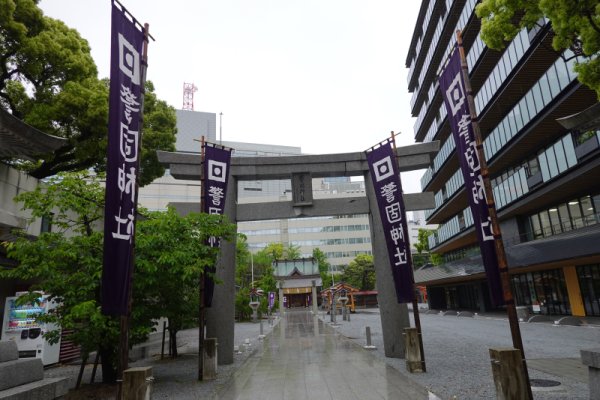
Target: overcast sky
point(328, 76)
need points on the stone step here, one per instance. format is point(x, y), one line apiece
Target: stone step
point(46, 389)
point(19, 372)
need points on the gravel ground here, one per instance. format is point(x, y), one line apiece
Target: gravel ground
point(173, 378)
point(457, 352)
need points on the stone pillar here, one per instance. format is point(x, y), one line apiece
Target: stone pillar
point(394, 316)
point(137, 383)
point(209, 371)
point(314, 298)
point(220, 318)
point(591, 358)
point(280, 301)
point(509, 374)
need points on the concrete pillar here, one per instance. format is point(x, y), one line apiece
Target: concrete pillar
point(394, 316)
point(591, 358)
point(220, 318)
point(314, 298)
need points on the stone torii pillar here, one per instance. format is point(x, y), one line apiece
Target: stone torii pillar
point(394, 316)
point(220, 317)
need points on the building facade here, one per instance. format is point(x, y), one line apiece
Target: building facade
point(545, 177)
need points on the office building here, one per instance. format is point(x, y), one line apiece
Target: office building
point(545, 176)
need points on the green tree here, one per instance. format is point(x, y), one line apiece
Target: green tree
point(67, 264)
point(423, 240)
point(324, 267)
point(171, 254)
point(360, 273)
point(49, 79)
point(292, 252)
point(573, 22)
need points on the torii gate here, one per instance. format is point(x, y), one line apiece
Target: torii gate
point(301, 169)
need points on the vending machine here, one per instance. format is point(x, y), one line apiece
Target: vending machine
point(20, 325)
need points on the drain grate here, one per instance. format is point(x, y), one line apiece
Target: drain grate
point(543, 383)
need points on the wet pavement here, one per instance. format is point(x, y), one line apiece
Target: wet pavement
point(305, 358)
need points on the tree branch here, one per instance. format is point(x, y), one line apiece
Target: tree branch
point(590, 18)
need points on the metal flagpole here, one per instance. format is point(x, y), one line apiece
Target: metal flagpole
point(414, 300)
point(201, 308)
point(515, 331)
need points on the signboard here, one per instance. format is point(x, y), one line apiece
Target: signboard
point(453, 90)
point(216, 173)
point(123, 157)
point(302, 189)
point(388, 190)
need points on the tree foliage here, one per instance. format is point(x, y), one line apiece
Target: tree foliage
point(67, 264)
point(324, 267)
point(49, 80)
point(423, 241)
point(360, 273)
point(572, 21)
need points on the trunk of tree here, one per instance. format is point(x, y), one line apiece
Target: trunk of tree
point(173, 342)
point(109, 369)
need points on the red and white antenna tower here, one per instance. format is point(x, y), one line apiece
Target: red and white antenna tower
point(188, 96)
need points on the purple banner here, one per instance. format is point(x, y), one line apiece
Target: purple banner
point(124, 123)
point(452, 86)
point(216, 173)
point(388, 189)
point(271, 299)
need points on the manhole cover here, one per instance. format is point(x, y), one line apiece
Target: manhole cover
point(543, 383)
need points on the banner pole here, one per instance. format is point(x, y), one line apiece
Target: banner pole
point(123, 362)
point(511, 311)
point(414, 300)
point(201, 308)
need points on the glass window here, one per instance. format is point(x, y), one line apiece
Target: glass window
point(512, 123)
point(553, 80)
point(552, 162)
point(563, 74)
point(533, 166)
point(588, 210)
point(536, 226)
point(544, 166)
point(530, 105)
point(555, 220)
point(545, 224)
point(565, 220)
point(537, 98)
point(596, 205)
point(518, 118)
point(561, 158)
point(545, 87)
point(569, 150)
point(575, 212)
point(513, 55)
point(524, 112)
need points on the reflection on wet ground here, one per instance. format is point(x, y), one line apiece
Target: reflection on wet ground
point(304, 358)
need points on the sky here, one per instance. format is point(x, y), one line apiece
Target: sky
point(328, 76)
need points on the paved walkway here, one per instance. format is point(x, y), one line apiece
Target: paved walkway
point(304, 358)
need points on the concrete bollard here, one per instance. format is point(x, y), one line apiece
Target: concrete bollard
point(137, 383)
point(591, 358)
point(414, 362)
point(509, 375)
point(209, 371)
point(369, 345)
